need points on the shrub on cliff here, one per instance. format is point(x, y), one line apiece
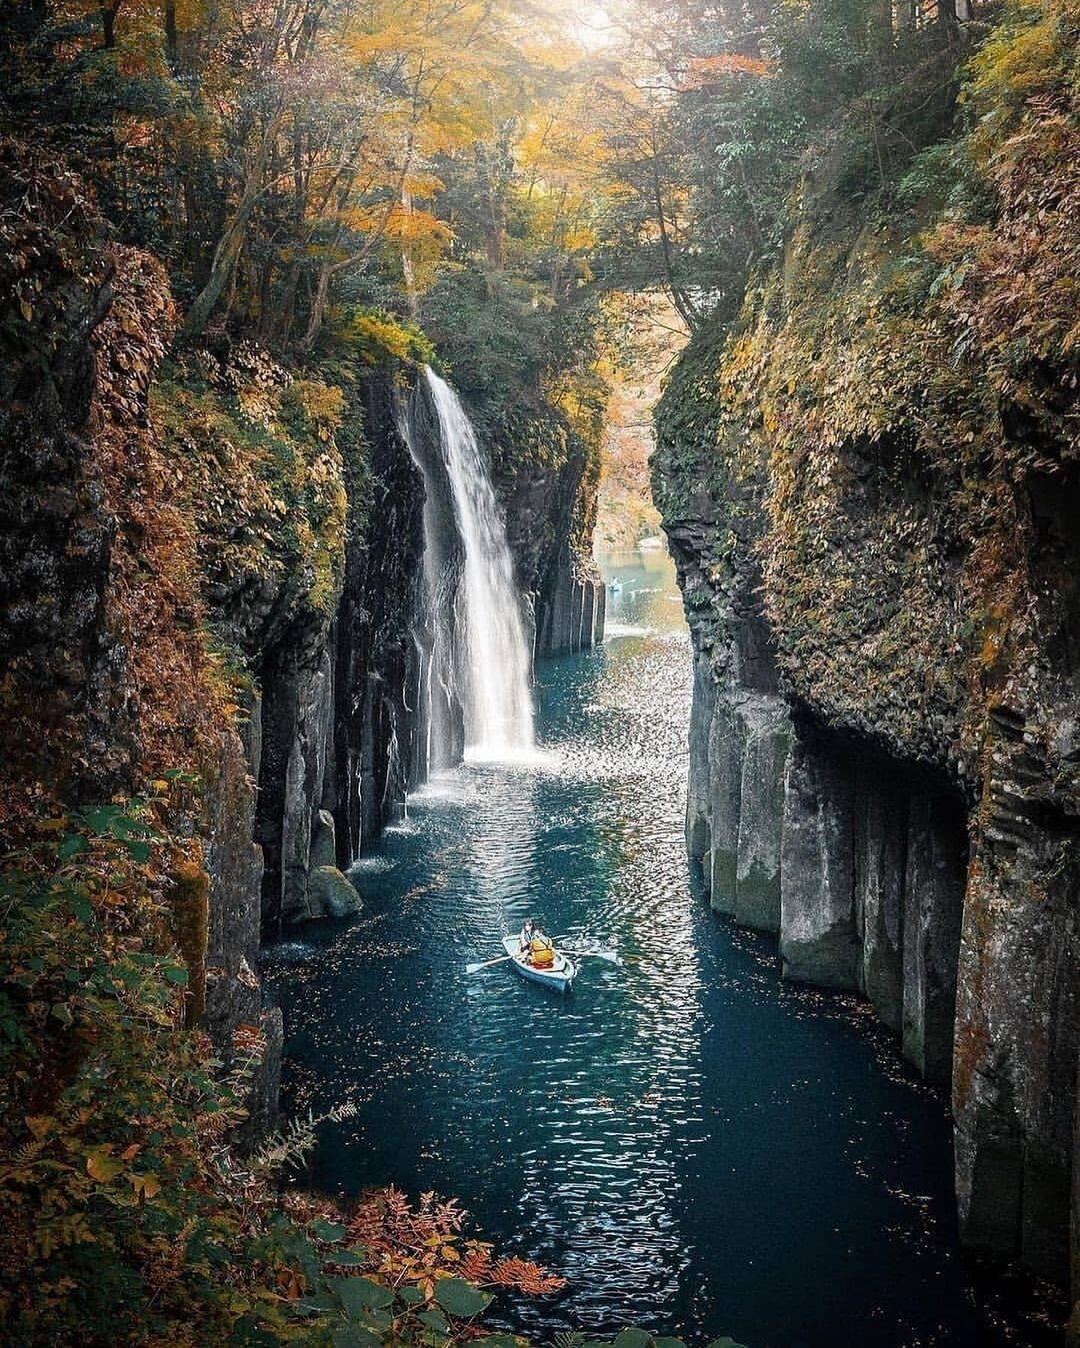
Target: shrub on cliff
point(926, 333)
point(264, 486)
point(126, 1214)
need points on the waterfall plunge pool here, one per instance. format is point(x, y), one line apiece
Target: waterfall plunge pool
point(698, 1147)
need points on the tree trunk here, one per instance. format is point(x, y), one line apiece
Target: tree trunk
point(678, 298)
point(230, 243)
point(171, 41)
point(318, 306)
point(286, 315)
point(225, 255)
point(108, 25)
point(880, 20)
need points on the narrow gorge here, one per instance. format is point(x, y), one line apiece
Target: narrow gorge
point(353, 710)
point(607, 467)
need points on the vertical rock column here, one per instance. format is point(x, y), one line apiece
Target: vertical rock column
point(725, 747)
point(881, 828)
point(699, 778)
point(767, 740)
point(572, 610)
point(818, 939)
point(297, 740)
point(933, 906)
point(234, 865)
point(1018, 1015)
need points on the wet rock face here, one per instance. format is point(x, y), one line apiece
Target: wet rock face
point(340, 729)
point(337, 694)
point(375, 656)
point(297, 710)
point(900, 806)
point(234, 865)
point(550, 513)
point(571, 608)
point(817, 886)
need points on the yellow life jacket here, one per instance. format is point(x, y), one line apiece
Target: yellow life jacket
point(543, 957)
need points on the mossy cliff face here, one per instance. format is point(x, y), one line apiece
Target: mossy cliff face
point(109, 688)
point(871, 484)
point(309, 526)
point(308, 512)
point(547, 474)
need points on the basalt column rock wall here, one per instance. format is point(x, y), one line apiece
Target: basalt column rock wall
point(109, 690)
point(884, 749)
point(375, 718)
point(336, 711)
point(336, 637)
point(547, 478)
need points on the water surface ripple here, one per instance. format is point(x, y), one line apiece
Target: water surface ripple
point(697, 1147)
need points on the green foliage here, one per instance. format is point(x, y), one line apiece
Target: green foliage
point(109, 1113)
point(764, 103)
point(493, 339)
point(456, 1297)
point(127, 1215)
point(916, 349)
point(526, 370)
point(377, 336)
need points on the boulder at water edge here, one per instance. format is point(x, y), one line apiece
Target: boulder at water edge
point(331, 894)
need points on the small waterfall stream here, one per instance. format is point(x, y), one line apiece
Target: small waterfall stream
point(479, 656)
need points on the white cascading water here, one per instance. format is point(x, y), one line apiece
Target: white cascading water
point(493, 657)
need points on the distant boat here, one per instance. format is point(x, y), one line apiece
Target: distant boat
point(615, 586)
point(559, 977)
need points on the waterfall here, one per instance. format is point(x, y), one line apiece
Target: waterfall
point(479, 656)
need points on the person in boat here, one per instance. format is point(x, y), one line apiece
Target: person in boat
point(537, 948)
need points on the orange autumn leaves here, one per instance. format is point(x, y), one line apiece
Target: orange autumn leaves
point(414, 1245)
point(704, 71)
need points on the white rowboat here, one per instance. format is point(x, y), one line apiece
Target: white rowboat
point(559, 977)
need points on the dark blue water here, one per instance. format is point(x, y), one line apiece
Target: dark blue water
point(696, 1146)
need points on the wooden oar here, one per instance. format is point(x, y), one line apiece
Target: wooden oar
point(486, 964)
point(612, 956)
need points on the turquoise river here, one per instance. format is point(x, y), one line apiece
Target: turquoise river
point(696, 1146)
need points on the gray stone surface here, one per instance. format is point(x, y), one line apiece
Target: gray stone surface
point(933, 904)
point(331, 894)
point(881, 827)
point(323, 841)
point(600, 618)
point(588, 613)
point(953, 710)
point(818, 941)
point(726, 748)
point(761, 813)
point(305, 780)
point(698, 790)
point(234, 996)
